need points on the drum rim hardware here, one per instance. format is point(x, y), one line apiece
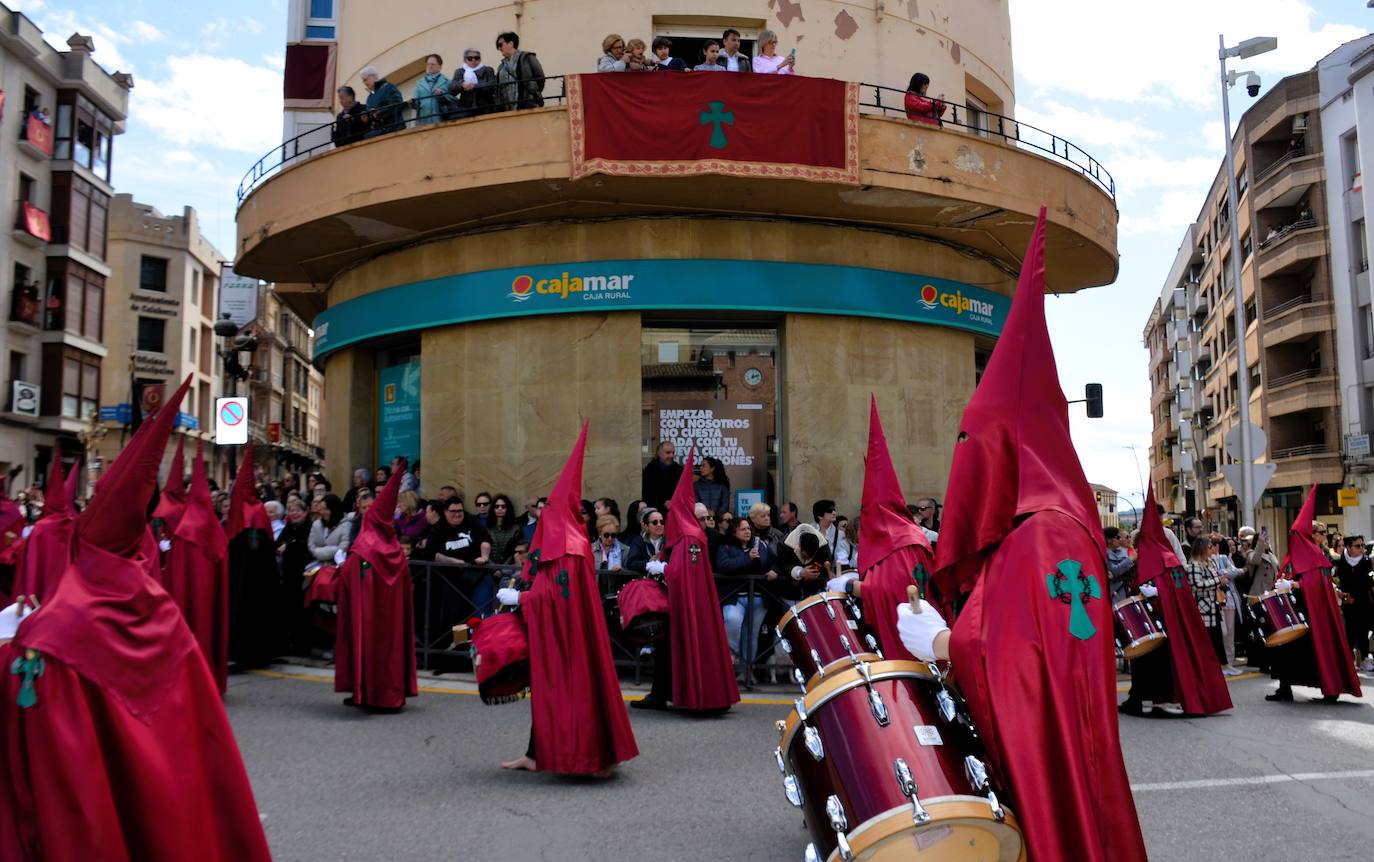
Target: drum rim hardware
point(906, 783)
point(878, 707)
point(836, 685)
point(944, 810)
point(811, 737)
point(834, 811)
point(791, 788)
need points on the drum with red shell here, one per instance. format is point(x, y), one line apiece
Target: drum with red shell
point(643, 606)
point(885, 765)
point(1137, 630)
point(822, 636)
point(1279, 620)
point(501, 657)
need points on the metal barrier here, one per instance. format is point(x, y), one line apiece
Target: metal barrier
point(873, 98)
point(448, 594)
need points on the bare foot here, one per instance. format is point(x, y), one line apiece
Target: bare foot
point(605, 773)
point(521, 762)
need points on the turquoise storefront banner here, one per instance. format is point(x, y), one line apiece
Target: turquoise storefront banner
point(398, 412)
point(661, 285)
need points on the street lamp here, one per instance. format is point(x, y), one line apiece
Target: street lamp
point(237, 356)
point(1248, 48)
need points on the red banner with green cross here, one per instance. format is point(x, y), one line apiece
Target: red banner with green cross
point(689, 123)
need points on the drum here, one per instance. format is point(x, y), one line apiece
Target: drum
point(821, 634)
point(501, 657)
point(1137, 631)
point(1278, 618)
point(885, 766)
point(644, 610)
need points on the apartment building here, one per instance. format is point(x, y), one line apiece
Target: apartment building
point(1285, 239)
point(161, 300)
point(59, 115)
point(285, 391)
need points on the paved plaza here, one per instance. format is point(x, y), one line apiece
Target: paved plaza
point(1263, 782)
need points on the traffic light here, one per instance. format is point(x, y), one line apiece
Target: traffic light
point(1092, 394)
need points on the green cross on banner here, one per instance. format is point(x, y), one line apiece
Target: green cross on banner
point(717, 118)
point(1069, 584)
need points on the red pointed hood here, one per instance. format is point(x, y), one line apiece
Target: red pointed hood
point(173, 498)
point(682, 519)
point(1154, 554)
point(198, 523)
point(560, 531)
point(885, 523)
point(73, 481)
point(1014, 456)
point(382, 514)
point(55, 501)
point(11, 516)
point(117, 517)
point(246, 511)
point(1304, 554)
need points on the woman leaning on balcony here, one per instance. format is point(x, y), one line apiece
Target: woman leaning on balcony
point(919, 106)
point(430, 96)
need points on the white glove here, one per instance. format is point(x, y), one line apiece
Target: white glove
point(1283, 585)
point(9, 621)
point(655, 567)
point(508, 596)
point(165, 545)
point(1149, 590)
point(918, 631)
point(24, 533)
point(836, 585)
point(339, 557)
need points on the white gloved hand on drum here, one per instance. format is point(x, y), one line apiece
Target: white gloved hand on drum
point(918, 631)
point(508, 596)
point(1149, 590)
point(9, 621)
point(1283, 585)
point(655, 567)
point(836, 585)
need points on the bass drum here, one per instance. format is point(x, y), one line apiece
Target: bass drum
point(1137, 630)
point(821, 634)
point(643, 605)
point(501, 657)
point(885, 765)
point(1279, 620)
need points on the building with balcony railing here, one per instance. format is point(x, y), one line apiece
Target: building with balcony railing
point(1287, 273)
point(1347, 127)
point(60, 115)
point(479, 286)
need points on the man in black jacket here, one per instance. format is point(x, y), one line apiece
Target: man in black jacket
point(475, 86)
point(660, 477)
point(351, 123)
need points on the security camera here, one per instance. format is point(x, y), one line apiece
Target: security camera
point(1252, 84)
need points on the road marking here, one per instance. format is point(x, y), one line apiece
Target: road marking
point(1205, 783)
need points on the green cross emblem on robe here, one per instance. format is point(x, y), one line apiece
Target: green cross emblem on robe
point(921, 577)
point(1071, 585)
point(31, 666)
point(717, 118)
point(1178, 578)
point(562, 581)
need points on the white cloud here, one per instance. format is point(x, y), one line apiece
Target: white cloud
point(178, 109)
point(142, 32)
point(219, 26)
point(276, 61)
point(1136, 51)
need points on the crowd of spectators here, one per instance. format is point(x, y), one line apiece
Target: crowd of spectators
point(517, 82)
point(1225, 570)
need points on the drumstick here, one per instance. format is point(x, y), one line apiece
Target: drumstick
point(913, 596)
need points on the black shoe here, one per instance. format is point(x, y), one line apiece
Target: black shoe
point(648, 703)
point(1131, 707)
point(1329, 698)
point(1283, 695)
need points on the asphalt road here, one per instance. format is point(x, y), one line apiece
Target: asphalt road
point(1263, 782)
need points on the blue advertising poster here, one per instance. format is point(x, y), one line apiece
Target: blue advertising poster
point(651, 285)
point(398, 412)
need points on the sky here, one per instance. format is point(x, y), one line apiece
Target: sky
point(1138, 91)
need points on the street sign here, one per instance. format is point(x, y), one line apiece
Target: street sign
point(1356, 445)
point(1260, 474)
point(1259, 442)
point(1347, 497)
point(238, 297)
point(231, 421)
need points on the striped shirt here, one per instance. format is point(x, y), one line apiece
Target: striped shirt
point(1203, 578)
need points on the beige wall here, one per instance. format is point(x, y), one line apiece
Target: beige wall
point(946, 39)
point(350, 389)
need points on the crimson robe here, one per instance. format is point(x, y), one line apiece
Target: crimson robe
point(884, 587)
point(374, 642)
point(1323, 658)
point(44, 556)
point(1051, 727)
point(127, 753)
point(197, 574)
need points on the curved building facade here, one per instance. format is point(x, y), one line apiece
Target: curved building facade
point(479, 287)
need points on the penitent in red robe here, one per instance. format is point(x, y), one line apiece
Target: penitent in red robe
point(1032, 650)
point(197, 573)
point(894, 552)
point(374, 644)
point(703, 669)
point(113, 742)
point(48, 549)
point(1322, 659)
point(581, 725)
point(1195, 677)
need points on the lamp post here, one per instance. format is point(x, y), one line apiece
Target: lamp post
point(1248, 48)
point(234, 368)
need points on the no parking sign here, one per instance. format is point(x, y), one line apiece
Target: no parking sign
point(231, 421)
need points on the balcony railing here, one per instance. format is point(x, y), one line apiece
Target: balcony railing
point(26, 306)
point(1305, 451)
point(873, 99)
point(1296, 376)
point(1286, 231)
point(1295, 153)
point(1288, 305)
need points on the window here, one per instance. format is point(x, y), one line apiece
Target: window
point(16, 366)
point(1245, 247)
point(977, 117)
point(1361, 246)
point(84, 133)
point(319, 21)
point(152, 273)
point(191, 342)
point(27, 187)
point(76, 299)
point(195, 286)
point(80, 384)
point(79, 214)
point(205, 345)
point(152, 334)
